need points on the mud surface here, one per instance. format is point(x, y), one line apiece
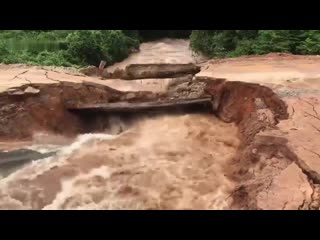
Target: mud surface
point(259, 149)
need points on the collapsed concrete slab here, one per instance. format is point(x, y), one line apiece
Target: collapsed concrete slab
point(144, 71)
point(161, 105)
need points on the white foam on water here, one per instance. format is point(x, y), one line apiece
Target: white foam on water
point(69, 189)
point(166, 162)
point(84, 139)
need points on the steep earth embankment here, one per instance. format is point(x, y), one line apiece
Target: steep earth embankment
point(281, 164)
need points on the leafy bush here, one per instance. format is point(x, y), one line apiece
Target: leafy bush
point(204, 41)
point(311, 44)
point(92, 46)
point(273, 41)
point(84, 47)
point(89, 47)
point(244, 47)
point(117, 45)
point(220, 43)
point(65, 47)
point(226, 43)
point(3, 50)
point(59, 58)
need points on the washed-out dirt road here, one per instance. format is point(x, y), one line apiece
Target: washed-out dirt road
point(180, 161)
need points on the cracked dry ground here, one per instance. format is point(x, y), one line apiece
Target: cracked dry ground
point(192, 161)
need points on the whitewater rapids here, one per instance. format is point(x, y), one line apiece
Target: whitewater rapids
point(166, 162)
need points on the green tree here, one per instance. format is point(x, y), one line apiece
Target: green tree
point(311, 44)
point(92, 46)
point(84, 47)
point(273, 41)
point(3, 50)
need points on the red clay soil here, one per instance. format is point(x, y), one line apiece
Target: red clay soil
point(271, 168)
point(21, 115)
point(254, 108)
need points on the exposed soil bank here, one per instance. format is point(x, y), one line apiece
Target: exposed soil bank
point(22, 113)
point(46, 108)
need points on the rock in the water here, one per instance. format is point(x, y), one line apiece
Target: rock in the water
point(191, 89)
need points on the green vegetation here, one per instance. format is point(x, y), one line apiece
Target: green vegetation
point(89, 47)
point(232, 43)
point(66, 47)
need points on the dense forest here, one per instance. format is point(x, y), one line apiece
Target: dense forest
point(89, 47)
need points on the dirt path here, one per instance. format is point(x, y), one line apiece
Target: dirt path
point(279, 69)
point(12, 76)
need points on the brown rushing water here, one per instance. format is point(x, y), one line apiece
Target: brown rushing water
point(168, 162)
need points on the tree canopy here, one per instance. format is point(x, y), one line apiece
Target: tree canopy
point(89, 47)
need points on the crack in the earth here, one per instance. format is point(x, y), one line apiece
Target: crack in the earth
point(311, 151)
point(312, 196)
point(315, 128)
point(293, 111)
point(17, 76)
point(238, 189)
point(303, 203)
point(52, 79)
point(284, 205)
point(72, 74)
point(28, 80)
point(311, 174)
point(313, 108)
point(268, 187)
point(312, 115)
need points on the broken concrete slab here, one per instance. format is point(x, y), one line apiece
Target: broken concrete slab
point(141, 71)
point(144, 71)
point(143, 106)
point(192, 89)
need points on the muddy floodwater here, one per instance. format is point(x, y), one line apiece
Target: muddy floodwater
point(255, 146)
point(168, 162)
